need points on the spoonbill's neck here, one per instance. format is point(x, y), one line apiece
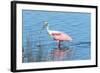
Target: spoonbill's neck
point(47, 28)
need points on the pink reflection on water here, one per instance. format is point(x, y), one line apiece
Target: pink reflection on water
point(60, 53)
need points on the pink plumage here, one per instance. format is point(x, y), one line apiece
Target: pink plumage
point(60, 36)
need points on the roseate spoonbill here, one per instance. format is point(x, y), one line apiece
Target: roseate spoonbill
point(57, 35)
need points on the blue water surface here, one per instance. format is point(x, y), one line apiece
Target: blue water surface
point(37, 44)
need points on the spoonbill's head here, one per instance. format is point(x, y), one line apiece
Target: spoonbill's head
point(45, 24)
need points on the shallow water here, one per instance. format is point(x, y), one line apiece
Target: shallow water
point(38, 45)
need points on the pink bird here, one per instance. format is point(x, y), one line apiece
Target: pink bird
point(57, 35)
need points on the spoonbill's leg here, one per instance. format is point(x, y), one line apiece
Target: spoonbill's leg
point(59, 43)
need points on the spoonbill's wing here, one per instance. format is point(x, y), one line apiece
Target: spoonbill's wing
point(60, 35)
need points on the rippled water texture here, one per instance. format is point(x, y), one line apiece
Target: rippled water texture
point(38, 46)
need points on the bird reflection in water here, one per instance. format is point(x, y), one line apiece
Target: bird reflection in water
point(60, 53)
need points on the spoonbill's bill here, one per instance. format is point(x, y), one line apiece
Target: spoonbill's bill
point(57, 35)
